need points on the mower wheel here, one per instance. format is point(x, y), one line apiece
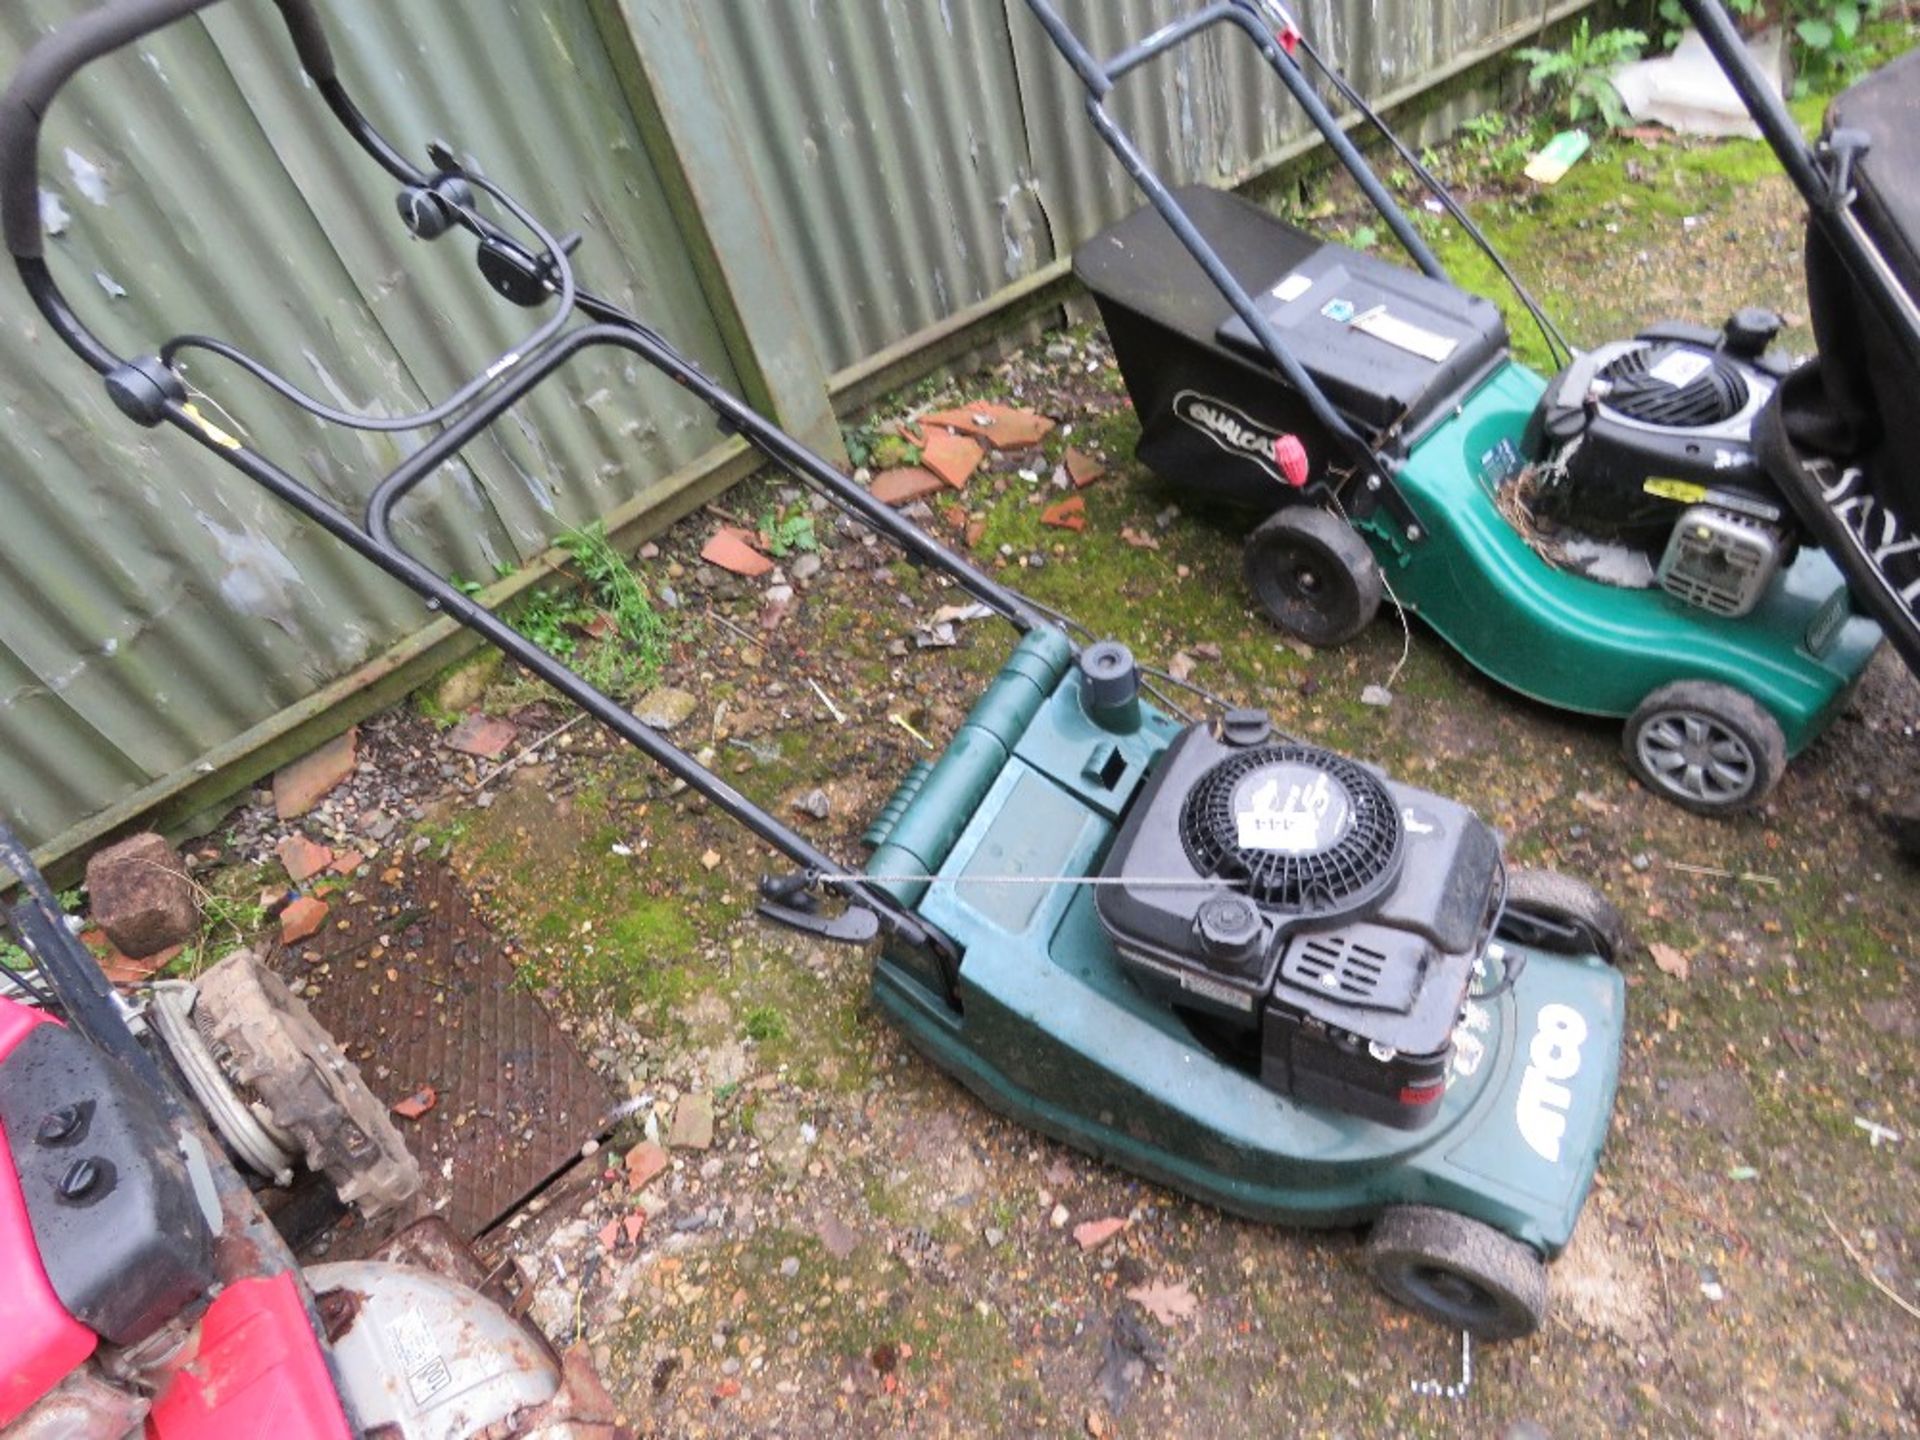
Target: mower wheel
point(1459, 1272)
point(1314, 576)
point(1562, 915)
point(1706, 747)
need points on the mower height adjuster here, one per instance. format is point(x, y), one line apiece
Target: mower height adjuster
point(791, 900)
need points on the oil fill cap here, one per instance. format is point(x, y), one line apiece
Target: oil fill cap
point(1229, 929)
point(1112, 678)
point(1246, 727)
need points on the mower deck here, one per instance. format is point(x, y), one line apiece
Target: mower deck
point(1581, 645)
point(1052, 1033)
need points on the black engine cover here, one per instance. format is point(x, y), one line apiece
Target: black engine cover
point(1635, 431)
point(113, 1208)
point(1288, 893)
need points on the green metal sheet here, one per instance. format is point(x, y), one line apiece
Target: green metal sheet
point(155, 605)
point(839, 177)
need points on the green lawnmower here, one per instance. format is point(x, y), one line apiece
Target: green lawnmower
point(1618, 540)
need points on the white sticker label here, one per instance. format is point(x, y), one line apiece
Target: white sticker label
point(1405, 335)
point(1292, 288)
point(419, 1356)
point(1681, 367)
point(1292, 824)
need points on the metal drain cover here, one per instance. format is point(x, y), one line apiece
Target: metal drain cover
point(420, 992)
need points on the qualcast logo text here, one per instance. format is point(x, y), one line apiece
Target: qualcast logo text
point(1231, 429)
point(1552, 1060)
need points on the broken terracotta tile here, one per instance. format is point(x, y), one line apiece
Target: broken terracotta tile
point(348, 863)
point(298, 787)
point(976, 532)
point(1097, 1232)
point(124, 970)
point(301, 919)
point(904, 485)
point(1067, 515)
point(609, 1235)
point(302, 858)
point(1083, 469)
point(634, 1225)
point(732, 549)
point(484, 737)
point(1001, 426)
point(644, 1162)
point(952, 457)
point(418, 1103)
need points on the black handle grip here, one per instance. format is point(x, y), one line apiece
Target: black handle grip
point(58, 57)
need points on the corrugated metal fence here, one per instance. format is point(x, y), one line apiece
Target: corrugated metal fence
point(785, 187)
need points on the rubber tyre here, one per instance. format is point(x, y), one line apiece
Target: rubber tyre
point(1314, 576)
point(1458, 1271)
point(1677, 728)
point(1564, 900)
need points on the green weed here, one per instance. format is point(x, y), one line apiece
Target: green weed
point(765, 1024)
point(786, 534)
point(1574, 76)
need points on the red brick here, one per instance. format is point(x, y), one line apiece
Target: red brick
point(1083, 469)
point(1095, 1233)
point(141, 896)
point(305, 783)
point(1001, 426)
point(418, 1103)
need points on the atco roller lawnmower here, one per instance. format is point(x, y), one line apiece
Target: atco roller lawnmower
point(1260, 973)
point(1640, 536)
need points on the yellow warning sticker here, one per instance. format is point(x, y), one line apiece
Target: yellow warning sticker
point(1684, 491)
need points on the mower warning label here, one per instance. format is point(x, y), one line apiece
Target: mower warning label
point(1233, 430)
point(418, 1353)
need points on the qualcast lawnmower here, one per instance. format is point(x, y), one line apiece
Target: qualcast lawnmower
point(1611, 541)
point(1259, 972)
point(143, 1289)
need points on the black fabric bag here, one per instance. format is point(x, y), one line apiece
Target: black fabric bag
point(1845, 440)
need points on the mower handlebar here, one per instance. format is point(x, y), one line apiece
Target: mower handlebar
point(58, 57)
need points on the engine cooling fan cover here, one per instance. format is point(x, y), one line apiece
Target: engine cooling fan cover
point(1674, 386)
point(1301, 829)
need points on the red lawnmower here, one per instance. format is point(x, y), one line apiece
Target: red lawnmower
point(143, 1289)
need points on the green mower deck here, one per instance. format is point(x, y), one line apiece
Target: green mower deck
point(1580, 645)
point(1053, 1034)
